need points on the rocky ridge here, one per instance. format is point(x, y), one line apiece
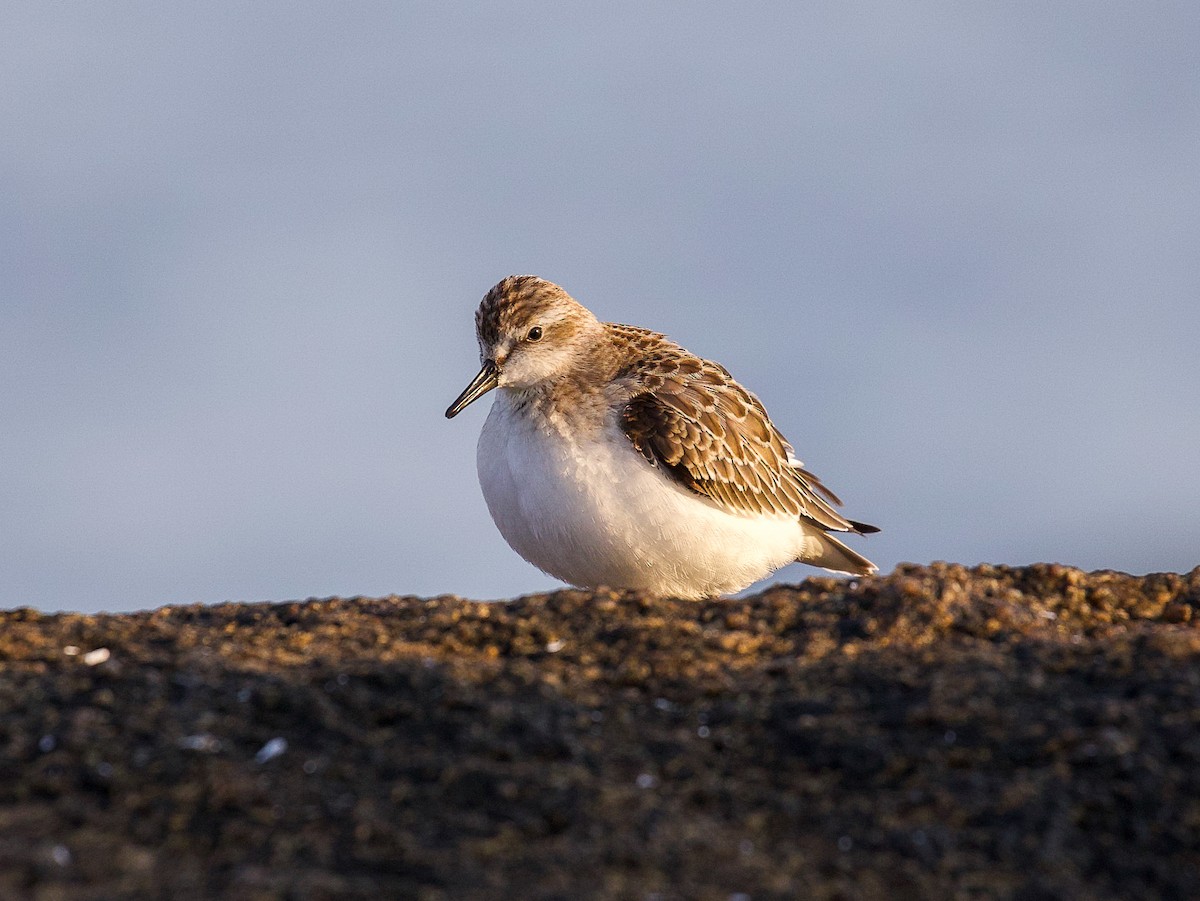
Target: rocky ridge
point(941, 731)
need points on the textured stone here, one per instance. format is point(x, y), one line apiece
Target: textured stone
point(938, 732)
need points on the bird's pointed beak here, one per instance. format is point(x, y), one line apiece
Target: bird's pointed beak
point(485, 381)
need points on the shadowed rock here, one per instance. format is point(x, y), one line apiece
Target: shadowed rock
point(941, 731)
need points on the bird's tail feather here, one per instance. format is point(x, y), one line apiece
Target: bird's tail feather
point(827, 552)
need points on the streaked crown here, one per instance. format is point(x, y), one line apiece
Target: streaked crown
point(514, 301)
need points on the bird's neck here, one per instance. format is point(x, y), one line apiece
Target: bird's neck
point(573, 402)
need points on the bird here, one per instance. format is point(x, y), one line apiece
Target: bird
point(612, 457)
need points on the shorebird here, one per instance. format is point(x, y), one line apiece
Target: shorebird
point(612, 456)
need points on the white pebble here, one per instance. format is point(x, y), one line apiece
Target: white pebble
point(202, 742)
point(271, 750)
point(96, 657)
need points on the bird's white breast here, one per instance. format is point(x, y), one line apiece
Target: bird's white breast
point(587, 508)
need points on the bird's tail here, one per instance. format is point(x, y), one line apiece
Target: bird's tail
point(827, 552)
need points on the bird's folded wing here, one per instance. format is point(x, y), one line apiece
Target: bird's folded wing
point(714, 437)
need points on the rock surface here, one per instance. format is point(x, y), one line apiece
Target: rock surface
point(939, 732)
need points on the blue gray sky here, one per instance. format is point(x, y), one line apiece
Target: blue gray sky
point(952, 247)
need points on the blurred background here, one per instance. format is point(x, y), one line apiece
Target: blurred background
point(954, 249)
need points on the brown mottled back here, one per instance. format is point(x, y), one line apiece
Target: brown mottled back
point(689, 416)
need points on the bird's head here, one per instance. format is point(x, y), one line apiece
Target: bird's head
point(530, 332)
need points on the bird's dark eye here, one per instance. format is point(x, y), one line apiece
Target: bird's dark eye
point(534, 334)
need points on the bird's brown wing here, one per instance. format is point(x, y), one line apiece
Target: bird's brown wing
point(689, 416)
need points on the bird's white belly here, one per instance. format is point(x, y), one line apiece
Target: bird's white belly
point(590, 510)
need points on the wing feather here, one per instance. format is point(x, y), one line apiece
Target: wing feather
point(712, 435)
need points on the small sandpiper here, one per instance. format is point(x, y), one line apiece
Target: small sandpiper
point(612, 456)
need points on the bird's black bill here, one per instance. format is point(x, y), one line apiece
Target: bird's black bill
point(488, 376)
